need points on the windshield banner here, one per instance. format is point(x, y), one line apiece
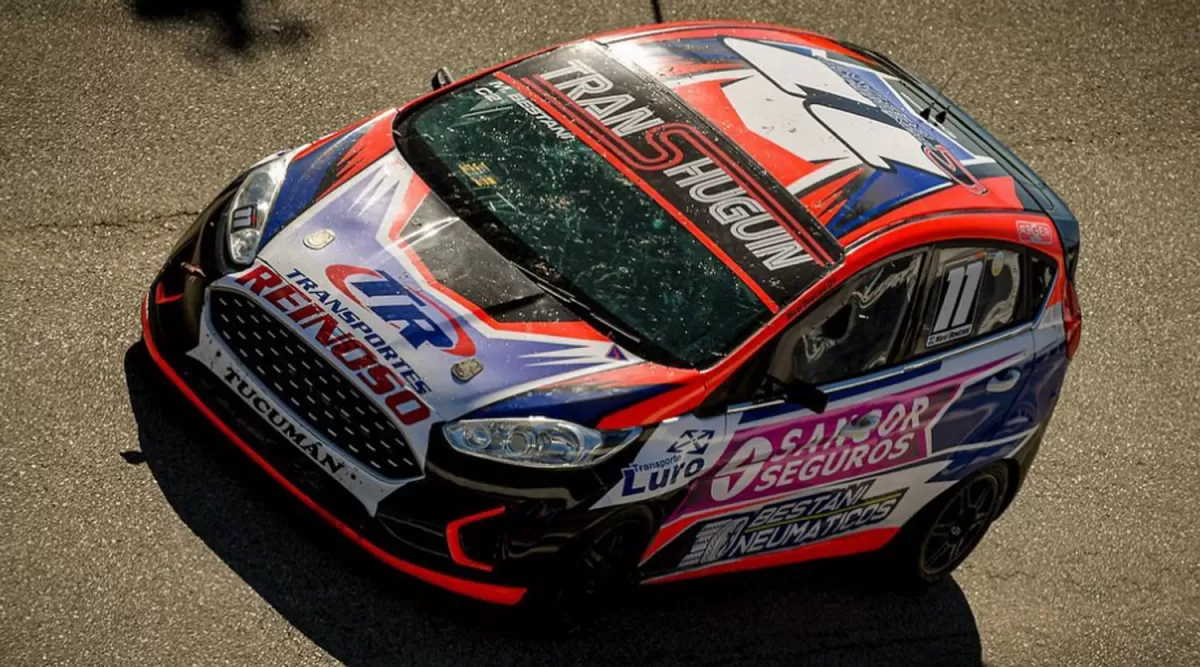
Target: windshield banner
point(746, 218)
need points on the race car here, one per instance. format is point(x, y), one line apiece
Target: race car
point(658, 304)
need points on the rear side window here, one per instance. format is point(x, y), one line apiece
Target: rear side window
point(1042, 270)
point(975, 292)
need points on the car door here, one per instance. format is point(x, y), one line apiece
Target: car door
point(921, 358)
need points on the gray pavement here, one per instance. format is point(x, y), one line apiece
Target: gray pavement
point(130, 534)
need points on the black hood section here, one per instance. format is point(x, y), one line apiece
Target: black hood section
point(463, 261)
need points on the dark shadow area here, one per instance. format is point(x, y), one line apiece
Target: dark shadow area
point(365, 615)
point(231, 23)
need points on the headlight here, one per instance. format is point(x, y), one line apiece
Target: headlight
point(536, 441)
point(246, 215)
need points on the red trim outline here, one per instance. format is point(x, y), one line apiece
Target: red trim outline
point(903, 235)
point(161, 298)
point(454, 541)
point(494, 593)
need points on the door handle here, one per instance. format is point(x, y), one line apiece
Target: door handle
point(861, 427)
point(1004, 381)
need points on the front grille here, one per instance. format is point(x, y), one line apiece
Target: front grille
point(322, 396)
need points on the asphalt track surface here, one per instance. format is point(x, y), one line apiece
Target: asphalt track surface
point(131, 534)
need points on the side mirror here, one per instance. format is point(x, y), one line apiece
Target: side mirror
point(441, 78)
point(800, 393)
point(810, 396)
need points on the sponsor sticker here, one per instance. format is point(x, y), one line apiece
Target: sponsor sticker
point(326, 330)
point(956, 311)
point(758, 226)
point(857, 440)
point(365, 486)
point(789, 524)
point(1036, 232)
point(418, 318)
point(676, 454)
point(243, 217)
point(297, 435)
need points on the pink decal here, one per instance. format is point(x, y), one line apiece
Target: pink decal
point(856, 440)
point(1040, 233)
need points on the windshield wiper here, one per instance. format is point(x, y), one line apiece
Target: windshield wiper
point(514, 304)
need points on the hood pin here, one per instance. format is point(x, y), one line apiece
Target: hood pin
point(466, 369)
point(319, 239)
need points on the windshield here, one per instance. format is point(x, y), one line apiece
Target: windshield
point(562, 212)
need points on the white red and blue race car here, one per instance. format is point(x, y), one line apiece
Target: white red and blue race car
point(659, 304)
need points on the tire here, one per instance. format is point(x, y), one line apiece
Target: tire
point(601, 568)
point(936, 541)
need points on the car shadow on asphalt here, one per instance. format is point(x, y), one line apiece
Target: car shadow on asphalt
point(230, 22)
point(364, 615)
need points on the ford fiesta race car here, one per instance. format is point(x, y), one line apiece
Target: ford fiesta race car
point(660, 304)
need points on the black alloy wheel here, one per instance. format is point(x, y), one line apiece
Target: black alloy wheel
point(941, 536)
point(959, 526)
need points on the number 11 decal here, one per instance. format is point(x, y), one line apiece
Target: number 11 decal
point(955, 317)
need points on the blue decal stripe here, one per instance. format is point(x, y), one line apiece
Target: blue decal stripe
point(582, 407)
point(305, 179)
point(835, 395)
point(883, 191)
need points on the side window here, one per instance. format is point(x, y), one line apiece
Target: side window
point(854, 331)
point(1042, 270)
point(975, 292)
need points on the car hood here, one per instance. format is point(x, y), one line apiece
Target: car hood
point(464, 327)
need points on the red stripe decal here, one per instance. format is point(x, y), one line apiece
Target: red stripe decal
point(416, 193)
point(161, 298)
point(373, 144)
point(869, 540)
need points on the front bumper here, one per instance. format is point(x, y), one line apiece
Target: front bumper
point(480, 529)
point(313, 491)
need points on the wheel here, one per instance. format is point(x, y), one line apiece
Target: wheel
point(943, 534)
point(599, 569)
point(607, 564)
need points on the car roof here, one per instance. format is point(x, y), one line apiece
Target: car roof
point(861, 144)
